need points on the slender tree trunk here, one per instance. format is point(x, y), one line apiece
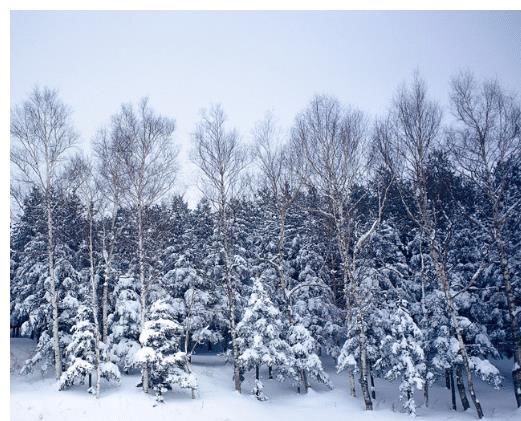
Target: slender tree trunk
point(364, 384)
point(105, 309)
point(512, 311)
point(108, 253)
point(352, 383)
point(233, 334)
point(145, 378)
point(448, 374)
point(282, 238)
point(461, 388)
point(105, 296)
point(373, 390)
point(105, 299)
point(227, 339)
point(349, 288)
point(188, 346)
point(424, 313)
point(270, 372)
point(453, 389)
point(426, 393)
point(187, 343)
point(304, 378)
point(143, 290)
point(347, 295)
point(256, 380)
point(363, 377)
point(235, 347)
point(470, 384)
point(231, 299)
point(94, 297)
point(54, 296)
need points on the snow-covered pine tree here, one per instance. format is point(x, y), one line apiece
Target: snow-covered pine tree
point(310, 296)
point(222, 159)
point(333, 161)
point(470, 296)
point(201, 229)
point(486, 143)
point(304, 356)
point(192, 301)
point(261, 337)
point(29, 307)
point(427, 308)
point(30, 299)
point(160, 352)
point(124, 323)
point(137, 145)
point(401, 353)
point(406, 153)
point(81, 354)
point(360, 332)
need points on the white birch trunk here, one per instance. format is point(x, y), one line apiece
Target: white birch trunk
point(143, 289)
point(54, 297)
point(94, 297)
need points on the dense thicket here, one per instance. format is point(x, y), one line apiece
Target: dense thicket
point(394, 249)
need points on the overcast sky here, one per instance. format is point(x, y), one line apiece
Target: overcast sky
point(250, 62)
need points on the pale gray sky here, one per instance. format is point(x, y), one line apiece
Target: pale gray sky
point(250, 62)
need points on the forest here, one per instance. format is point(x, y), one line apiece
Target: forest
point(391, 244)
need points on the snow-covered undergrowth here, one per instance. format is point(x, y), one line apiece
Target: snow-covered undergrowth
point(37, 398)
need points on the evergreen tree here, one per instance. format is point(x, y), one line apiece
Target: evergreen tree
point(160, 352)
point(311, 297)
point(193, 302)
point(304, 357)
point(81, 354)
point(260, 336)
point(402, 354)
point(124, 323)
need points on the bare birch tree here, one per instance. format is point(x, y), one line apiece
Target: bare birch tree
point(487, 136)
point(81, 175)
point(42, 135)
point(409, 135)
point(222, 159)
point(277, 163)
point(110, 185)
point(146, 157)
point(334, 145)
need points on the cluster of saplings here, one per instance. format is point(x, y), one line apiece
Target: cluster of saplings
point(391, 245)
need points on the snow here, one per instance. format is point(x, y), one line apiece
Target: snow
point(145, 354)
point(486, 371)
point(37, 398)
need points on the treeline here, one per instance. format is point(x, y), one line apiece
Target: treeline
point(393, 246)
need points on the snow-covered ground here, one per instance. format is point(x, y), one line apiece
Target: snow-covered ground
point(37, 398)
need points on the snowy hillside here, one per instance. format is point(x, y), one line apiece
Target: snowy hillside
point(36, 398)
